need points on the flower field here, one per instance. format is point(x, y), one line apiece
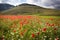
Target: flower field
point(29, 27)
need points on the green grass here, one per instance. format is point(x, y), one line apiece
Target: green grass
point(28, 27)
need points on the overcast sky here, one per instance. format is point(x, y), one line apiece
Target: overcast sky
point(43, 3)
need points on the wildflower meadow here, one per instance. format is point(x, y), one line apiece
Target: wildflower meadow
point(29, 27)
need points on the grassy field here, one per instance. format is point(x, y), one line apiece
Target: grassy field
point(28, 27)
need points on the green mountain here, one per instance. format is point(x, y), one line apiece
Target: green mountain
point(29, 9)
point(4, 6)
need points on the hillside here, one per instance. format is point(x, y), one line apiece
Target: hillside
point(4, 7)
point(29, 9)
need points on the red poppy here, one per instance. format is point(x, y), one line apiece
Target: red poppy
point(48, 24)
point(21, 33)
point(14, 30)
point(20, 17)
point(52, 24)
point(33, 35)
point(2, 38)
point(44, 29)
point(55, 28)
point(56, 38)
point(25, 21)
point(58, 24)
point(51, 19)
point(21, 24)
point(29, 17)
point(38, 33)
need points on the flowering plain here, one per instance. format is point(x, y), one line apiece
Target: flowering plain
point(23, 27)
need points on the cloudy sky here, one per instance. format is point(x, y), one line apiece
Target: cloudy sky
point(42, 3)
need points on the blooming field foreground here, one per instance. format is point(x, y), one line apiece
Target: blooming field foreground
point(29, 27)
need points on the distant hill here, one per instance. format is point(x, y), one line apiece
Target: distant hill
point(29, 9)
point(5, 6)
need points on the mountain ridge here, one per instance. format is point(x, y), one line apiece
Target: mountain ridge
point(4, 6)
point(29, 9)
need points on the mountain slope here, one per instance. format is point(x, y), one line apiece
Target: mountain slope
point(29, 9)
point(5, 6)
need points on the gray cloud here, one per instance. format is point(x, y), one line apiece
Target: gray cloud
point(12, 2)
point(4, 1)
point(57, 4)
point(49, 3)
point(42, 3)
